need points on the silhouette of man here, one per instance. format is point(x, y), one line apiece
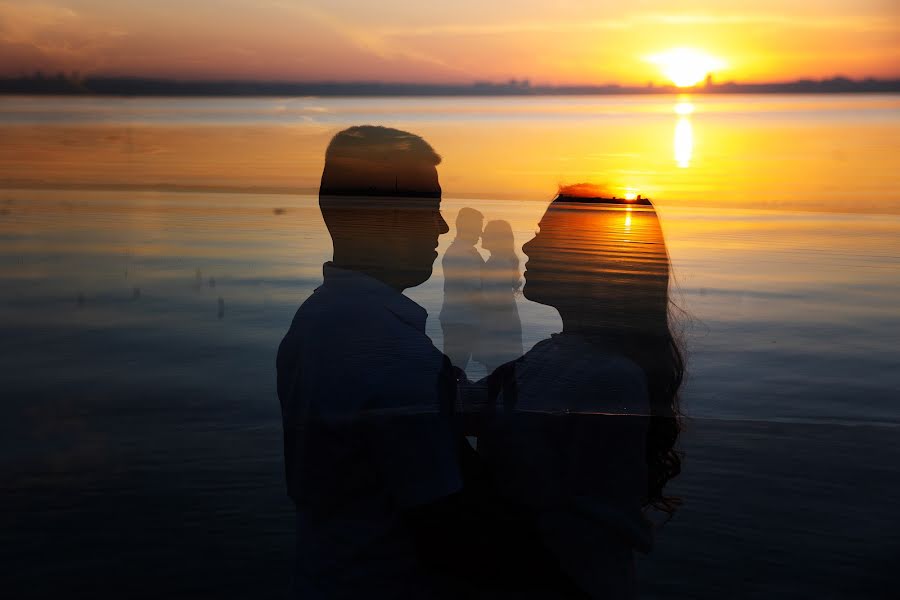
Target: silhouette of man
point(461, 312)
point(365, 395)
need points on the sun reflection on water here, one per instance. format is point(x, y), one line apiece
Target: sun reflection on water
point(684, 108)
point(684, 134)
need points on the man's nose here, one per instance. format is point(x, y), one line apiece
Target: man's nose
point(442, 224)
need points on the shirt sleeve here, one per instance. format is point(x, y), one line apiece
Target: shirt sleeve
point(410, 429)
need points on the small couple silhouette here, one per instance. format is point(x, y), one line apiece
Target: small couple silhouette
point(479, 317)
point(575, 438)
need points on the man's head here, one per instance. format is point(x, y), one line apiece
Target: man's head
point(380, 198)
point(468, 225)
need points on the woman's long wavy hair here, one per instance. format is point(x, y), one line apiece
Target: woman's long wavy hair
point(662, 359)
point(615, 274)
point(498, 238)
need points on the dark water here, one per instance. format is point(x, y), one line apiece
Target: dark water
point(140, 447)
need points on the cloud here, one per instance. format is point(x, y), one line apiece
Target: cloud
point(644, 20)
point(23, 22)
point(353, 40)
point(843, 23)
point(247, 41)
point(46, 36)
point(371, 40)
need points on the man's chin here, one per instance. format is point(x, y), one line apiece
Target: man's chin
point(418, 276)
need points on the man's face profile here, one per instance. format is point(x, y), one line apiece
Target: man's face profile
point(380, 197)
point(413, 227)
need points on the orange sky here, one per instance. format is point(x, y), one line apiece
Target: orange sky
point(562, 42)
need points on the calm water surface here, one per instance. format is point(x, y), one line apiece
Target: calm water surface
point(155, 250)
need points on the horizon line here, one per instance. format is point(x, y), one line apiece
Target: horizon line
point(73, 84)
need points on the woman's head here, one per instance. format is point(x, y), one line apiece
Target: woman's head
point(605, 268)
point(498, 238)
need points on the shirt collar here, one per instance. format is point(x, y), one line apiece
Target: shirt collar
point(376, 292)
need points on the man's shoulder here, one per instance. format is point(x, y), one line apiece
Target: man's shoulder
point(325, 309)
point(320, 318)
point(349, 359)
point(355, 328)
point(461, 251)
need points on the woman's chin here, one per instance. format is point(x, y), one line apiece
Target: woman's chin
point(540, 292)
point(532, 291)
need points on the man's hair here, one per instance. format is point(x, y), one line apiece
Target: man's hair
point(381, 144)
point(468, 221)
point(361, 159)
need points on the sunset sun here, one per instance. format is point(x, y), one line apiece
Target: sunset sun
point(685, 67)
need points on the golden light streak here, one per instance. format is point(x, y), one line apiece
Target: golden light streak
point(684, 108)
point(684, 142)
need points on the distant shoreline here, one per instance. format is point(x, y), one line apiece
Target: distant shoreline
point(9, 188)
point(131, 86)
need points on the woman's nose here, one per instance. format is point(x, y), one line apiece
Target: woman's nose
point(526, 246)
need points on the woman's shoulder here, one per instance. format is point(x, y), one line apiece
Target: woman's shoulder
point(575, 375)
point(496, 261)
point(623, 384)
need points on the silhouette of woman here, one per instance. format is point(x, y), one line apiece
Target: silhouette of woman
point(501, 333)
point(583, 439)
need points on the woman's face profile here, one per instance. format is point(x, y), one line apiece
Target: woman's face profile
point(539, 253)
point(595, 255)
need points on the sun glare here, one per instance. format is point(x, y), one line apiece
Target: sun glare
point(685, 67)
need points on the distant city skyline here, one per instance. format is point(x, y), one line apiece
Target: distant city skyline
point(564, 43)
point(40, 83)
